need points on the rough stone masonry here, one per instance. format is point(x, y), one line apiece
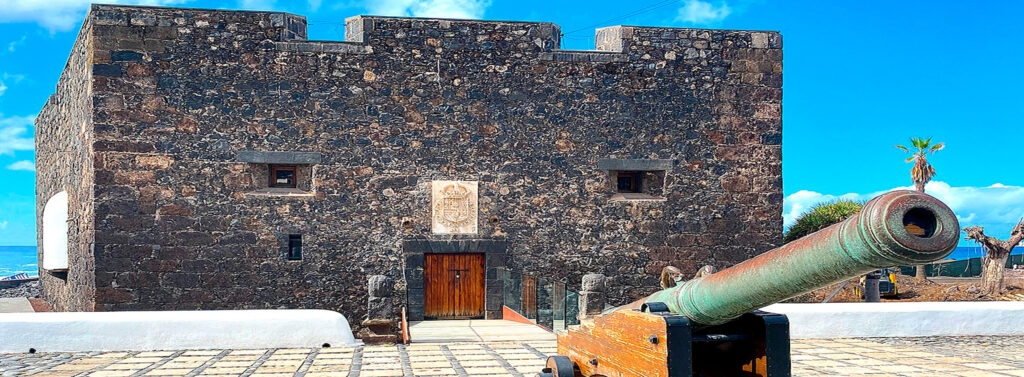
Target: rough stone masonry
point(165, 122)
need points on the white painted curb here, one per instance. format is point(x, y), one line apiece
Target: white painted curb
point(902, 319)
point(173, 330)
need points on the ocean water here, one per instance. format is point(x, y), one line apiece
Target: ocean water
point(968, 252)
point(18, 259)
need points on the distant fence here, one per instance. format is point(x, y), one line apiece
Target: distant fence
point(962, 268)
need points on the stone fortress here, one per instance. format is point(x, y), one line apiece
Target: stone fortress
point(219, 160)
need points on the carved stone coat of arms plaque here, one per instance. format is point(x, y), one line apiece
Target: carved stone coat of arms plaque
point(454, 207)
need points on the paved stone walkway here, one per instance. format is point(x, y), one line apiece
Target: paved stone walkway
point(826, 357)
point(15, 305)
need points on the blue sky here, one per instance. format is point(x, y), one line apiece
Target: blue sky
point(860, 76)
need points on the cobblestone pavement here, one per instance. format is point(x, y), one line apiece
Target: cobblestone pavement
point(826, 357)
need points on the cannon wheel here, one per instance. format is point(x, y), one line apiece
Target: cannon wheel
point(558, 366)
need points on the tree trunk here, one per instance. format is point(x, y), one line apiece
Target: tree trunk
point(996, 253)
point(920, 273)
point(992, 269)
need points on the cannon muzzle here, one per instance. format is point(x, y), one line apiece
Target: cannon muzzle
point(895, 228)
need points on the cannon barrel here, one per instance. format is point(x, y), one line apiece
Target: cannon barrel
point(895, 228)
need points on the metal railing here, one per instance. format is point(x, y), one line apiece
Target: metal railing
point(544, 302)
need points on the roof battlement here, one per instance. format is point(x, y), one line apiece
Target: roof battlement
point(366, 34)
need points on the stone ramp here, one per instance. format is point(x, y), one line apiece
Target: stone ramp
point(15, 305)
point(476, 330)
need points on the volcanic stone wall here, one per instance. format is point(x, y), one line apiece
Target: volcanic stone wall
point(64, 162)
point(178, 93)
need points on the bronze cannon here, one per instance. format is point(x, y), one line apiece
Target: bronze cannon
point(710, 326)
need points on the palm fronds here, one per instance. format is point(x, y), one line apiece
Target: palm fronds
point(922, 172)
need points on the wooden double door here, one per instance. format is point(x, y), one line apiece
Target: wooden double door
point(453, 286)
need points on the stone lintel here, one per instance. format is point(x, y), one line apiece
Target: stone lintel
point(266, 157)
point(633, 165)
point(486, 246)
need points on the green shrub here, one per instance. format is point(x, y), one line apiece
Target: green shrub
point(820, 217)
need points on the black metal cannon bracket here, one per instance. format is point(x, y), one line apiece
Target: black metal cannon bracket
point(754, 344)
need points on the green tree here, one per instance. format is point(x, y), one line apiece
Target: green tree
point(820, 217)
point(922, 172)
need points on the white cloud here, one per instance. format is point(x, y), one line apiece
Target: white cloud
point(314, 4)
point(702, 12)
point(472, 9)
point(996, 207)
point(25, 165)
point(59, 15)
point(15, 78)
point(8, 78)
point(13, 45)
point(3, 225)
point(14, 134)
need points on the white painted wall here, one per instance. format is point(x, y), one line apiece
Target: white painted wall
point(902, 319)
point(173, 330)
point(55, 232)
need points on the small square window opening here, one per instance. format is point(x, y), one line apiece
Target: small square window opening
point(629, 181)
point(294, 246)
point(282, 176)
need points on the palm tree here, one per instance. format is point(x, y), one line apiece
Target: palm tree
point(922, 172)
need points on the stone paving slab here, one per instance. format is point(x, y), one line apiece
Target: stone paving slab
point(909, 357)
point(476, 330)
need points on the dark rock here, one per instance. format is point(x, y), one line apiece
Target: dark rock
point(593, 283)
point(110, 70)
point(122, 56)
point(380, 286)
point(25, 289)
